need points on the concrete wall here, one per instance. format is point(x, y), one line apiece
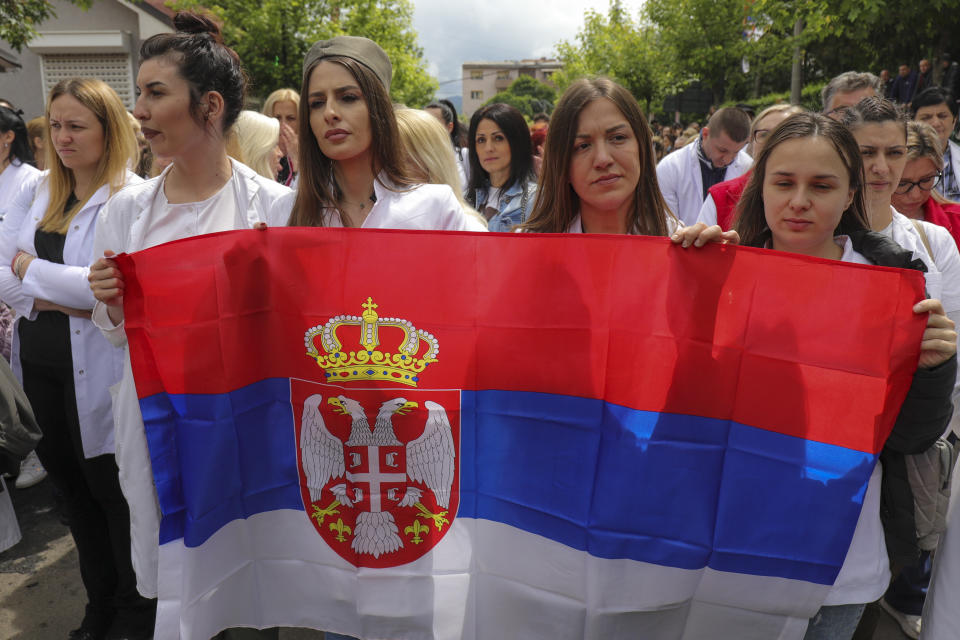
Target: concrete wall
point(24, 87)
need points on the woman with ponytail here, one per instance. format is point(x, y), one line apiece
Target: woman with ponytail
point(16, 156)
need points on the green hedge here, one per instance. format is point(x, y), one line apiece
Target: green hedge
point(809, 98)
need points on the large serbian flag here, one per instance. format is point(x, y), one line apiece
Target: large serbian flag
point(406, 435)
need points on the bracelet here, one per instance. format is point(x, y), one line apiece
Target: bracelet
point(17, 263)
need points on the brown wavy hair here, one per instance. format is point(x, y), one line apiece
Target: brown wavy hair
point(318, 191)
point(557, 203)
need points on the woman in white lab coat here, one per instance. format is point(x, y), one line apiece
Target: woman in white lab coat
point(65, 364)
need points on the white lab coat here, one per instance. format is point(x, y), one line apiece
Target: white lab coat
point(96, 365)
point(11, 179)
point(123, 226)
point(682, 184)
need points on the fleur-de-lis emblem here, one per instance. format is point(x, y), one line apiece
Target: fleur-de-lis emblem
point(416, 529)
point(340, 528)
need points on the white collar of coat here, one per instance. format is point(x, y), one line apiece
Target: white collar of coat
point(103, 194)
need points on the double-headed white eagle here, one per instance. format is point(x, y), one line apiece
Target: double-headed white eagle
point(430, 460)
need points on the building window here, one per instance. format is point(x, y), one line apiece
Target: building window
point(476, 95)
point(503, 74)
point(112, 68)
point(476, 74)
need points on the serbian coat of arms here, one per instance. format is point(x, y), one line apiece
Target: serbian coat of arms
point(378, 456)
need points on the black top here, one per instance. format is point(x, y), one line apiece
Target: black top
point(46, 340)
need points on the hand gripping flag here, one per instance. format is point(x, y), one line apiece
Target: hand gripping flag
point(407, 435)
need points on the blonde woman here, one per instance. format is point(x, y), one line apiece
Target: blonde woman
point(284, 105)
point(258, 138)
point(426, 145)
point(36, 130)
point(65, 364)
point(916, 195)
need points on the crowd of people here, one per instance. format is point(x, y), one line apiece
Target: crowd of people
point(862, 182)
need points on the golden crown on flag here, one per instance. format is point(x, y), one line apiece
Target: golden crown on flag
point(369, 363)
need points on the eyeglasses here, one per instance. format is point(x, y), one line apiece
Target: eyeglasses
point(925, 184)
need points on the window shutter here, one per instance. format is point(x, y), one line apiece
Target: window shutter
point(112, 68)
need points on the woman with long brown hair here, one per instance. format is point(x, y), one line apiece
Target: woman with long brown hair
point(352, 172)
point(599, 173)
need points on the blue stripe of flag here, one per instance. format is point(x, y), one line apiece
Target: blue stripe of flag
point(669, 489)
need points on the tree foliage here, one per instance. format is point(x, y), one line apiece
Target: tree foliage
point(743, 48)
point(527, 94)
point(617, 46)
point(701, 39)
point(272, 36)
point(19, 19)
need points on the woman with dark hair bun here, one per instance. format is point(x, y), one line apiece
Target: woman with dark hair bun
point(16, 156)
point(502, 185)
point(190, 92)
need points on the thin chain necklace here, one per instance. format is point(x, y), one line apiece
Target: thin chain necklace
point(360, 207)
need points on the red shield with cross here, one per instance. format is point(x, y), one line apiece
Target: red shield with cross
point(379, 468)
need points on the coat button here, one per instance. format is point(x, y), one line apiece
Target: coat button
point(77, 332)
point(76, 227)
point(81, 371)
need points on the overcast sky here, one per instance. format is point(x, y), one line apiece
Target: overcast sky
point(453, 32)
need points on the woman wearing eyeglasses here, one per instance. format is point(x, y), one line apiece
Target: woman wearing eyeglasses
point(722, 199)
point(916, 195)
point(936, 107)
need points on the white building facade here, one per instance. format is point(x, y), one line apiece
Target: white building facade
point(102, 42)
point(483, 80)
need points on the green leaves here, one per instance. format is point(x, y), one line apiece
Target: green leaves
point(272, 36)
point(529, 95)
point(618, 46)
point(19, 18)
point(672, 42)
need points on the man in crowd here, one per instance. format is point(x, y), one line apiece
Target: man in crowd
point(716, 155)
point(924, 78)
point(886, 83)
point(846, 90)
point(950, 81)
point(904, 85)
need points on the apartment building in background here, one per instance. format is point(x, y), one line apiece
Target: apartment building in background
point(483, 80)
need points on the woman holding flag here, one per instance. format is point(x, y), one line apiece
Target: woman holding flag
point(191, 91)
point(806, 196)
point(599, 174)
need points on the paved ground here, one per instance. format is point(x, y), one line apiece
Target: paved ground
point(41, 597)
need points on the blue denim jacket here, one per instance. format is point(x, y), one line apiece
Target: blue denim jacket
point(510, 211)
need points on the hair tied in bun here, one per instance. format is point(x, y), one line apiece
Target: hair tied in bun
point(188, 22)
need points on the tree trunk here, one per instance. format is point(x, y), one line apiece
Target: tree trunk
point(795, 75)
